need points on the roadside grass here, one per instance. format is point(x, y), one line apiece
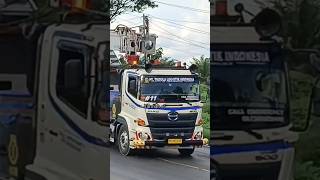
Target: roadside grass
point(204, 91)
point(206, 133)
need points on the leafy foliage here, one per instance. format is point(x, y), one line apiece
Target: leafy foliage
point(301, 89)
point(119, 7)
point(307, 171)
point(204, 92)
point(203, 68)
point(301, 21)
point(158, 55)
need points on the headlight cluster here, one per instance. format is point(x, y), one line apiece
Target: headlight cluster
point(143, 136)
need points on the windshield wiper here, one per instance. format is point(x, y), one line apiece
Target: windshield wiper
point(254, 134)
point(189, 103)
point(230, 137)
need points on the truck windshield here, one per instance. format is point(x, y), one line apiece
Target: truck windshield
point(170, 88)
point(249, 94)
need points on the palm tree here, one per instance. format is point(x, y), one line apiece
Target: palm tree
point(203, 70)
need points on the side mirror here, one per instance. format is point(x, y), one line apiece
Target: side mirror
point(73, 74)
point(267, 23)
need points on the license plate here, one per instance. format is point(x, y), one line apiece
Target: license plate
point(174, 141)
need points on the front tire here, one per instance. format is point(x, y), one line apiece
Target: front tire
point(123, 141)
point(186, 152)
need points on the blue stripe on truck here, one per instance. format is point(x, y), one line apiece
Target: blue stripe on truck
point(227, 149)
point(89, 138)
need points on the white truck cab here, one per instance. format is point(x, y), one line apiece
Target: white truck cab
point(155, 108)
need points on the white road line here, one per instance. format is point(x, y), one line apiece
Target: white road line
point(185, 165)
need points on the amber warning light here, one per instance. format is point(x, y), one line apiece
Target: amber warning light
point(133, 59)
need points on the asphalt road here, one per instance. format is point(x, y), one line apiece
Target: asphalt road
point(153, 165)
point(164, 164)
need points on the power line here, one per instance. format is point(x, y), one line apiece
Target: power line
point(179, 41)
point(167, 37)
point(187, 27)
point(182, 51)
point(186, 40)
point(176, 20)
point(132, 26)
point(184, 7)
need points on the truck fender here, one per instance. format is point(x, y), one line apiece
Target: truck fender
point(119, 122)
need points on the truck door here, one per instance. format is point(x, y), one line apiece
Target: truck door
point(66, 126)
point(130, 95)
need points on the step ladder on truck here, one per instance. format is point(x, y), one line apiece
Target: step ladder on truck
point(252, 130)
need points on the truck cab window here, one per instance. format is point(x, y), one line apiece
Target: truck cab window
point(72, 84)
point(132, 86)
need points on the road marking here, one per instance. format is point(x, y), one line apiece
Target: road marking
point(185, 165)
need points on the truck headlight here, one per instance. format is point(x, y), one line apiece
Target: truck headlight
point(143, 136)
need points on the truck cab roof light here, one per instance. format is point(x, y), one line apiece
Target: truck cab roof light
point(133, 60)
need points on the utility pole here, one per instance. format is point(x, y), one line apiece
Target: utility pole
point(145, 35)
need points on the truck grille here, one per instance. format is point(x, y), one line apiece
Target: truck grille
point(162, 128)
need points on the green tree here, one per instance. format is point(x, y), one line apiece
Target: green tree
point(300, 30)
point(203, 70)
point(119, 7)
point(157, 55)
point(167, 61)
point(301, 22)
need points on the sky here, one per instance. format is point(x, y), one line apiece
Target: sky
point(183, 33)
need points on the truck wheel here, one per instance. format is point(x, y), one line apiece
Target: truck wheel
point(123, 141)
point(186, 152)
